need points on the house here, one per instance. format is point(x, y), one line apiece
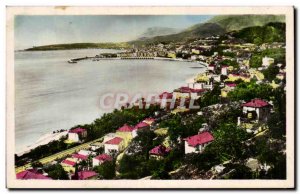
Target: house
point(197, 143)
point(140, 126)
point(31, 174)
point(149, 121)
point(186, 92)
point(228, 87)
point(267, 61)
point(114, 146)
point(79, 157)
point(125, 132)
point(100, 159)
point(211, 67)
point(224, 69)
point(159, 151)
point(77, 135)
point(86, 175)
point(68, 164)
point(257, 109)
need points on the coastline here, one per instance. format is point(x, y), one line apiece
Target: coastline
point(50, 136)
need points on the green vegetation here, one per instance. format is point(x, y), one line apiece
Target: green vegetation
point(57, 172)
point(238, 22)
point(79, 46)
point(248, 91)
point(271, 72)
point(277, 54)
point(272, 32)
point(107, 170)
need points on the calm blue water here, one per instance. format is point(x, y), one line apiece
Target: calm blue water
point(52, 94)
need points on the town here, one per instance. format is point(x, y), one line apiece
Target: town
point(238, 131)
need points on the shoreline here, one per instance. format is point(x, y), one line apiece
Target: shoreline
point(50, 136)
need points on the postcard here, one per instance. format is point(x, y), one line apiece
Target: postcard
point(150, 97)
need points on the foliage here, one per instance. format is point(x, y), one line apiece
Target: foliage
point(211, 97)
point(248, 91)
point(106, 170)
point(232, 63)
point(277, 54)
point(272, 32)
point(271, 72)
point(228, 142)
point(57, 172)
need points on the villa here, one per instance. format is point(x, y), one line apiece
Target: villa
point(197, 143)
point(140, 126)
point(159, 152)
point(100, 159)
point(77, 135)
point(114, 146)
point(86, 175)
point(257, 109)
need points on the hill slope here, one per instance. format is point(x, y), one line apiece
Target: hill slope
point(158, 31)
point(237, 22)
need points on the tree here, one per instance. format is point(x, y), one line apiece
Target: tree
point(57, 172)
point(228, 142)
point(107, 170)
point(271, 72)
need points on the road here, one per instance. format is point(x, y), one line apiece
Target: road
point(58, 155)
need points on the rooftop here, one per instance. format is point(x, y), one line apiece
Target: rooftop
point(104, 157)
point(77, 130)
point(256, 103)
point(125, 128)
point(27, 174)
point(199, 139)
point(115, 141)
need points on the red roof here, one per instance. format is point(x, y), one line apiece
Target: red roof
point(82, 175)
point(185, 89)
point(68, 162)
point(115, 141)
point(160, 150)
point(104, 157)
point(125, 128)
point(27, 174)
point(166, 95)
point(80, 156)
point(211, 65)
point(141, 125)
point(256, 103)
point(77, 130)
point(199, 139)
point(225, 66)
point(230, 84)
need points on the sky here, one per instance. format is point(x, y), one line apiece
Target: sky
point(43, 30)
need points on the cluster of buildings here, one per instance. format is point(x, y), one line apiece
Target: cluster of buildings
point(254, 111)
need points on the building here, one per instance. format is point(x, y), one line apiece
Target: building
point(86, 175)
point(224, 69)
point(140, 126)
point(100, 159)
point(31, 174)
point(68, 164)
point(114, 146)
point(186, 92)
point(149, 121)
point(77, 135)
point(159, 152)
point(125, 132)
point(197, 143)
point(267, 61)
point(257, 109)
point(228, 87)
point(211, 67)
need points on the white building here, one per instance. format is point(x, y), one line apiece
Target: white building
point(257, 109)
point(197, 143)
point(224, 70)
point(114, 146)
point(77, 135)
point(267, 61)
point(100, 159)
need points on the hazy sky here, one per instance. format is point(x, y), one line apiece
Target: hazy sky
point(42, 30)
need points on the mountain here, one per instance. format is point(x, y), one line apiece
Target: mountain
point(158, 31)
point(203, 30)
point(237, 22)
point(217, 25)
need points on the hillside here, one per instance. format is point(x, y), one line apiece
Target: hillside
point(272, 32)
point(158, 31)
point(218, 25)
point(237, 22)
point(203, 30)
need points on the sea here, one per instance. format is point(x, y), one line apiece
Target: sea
point(52, 94)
